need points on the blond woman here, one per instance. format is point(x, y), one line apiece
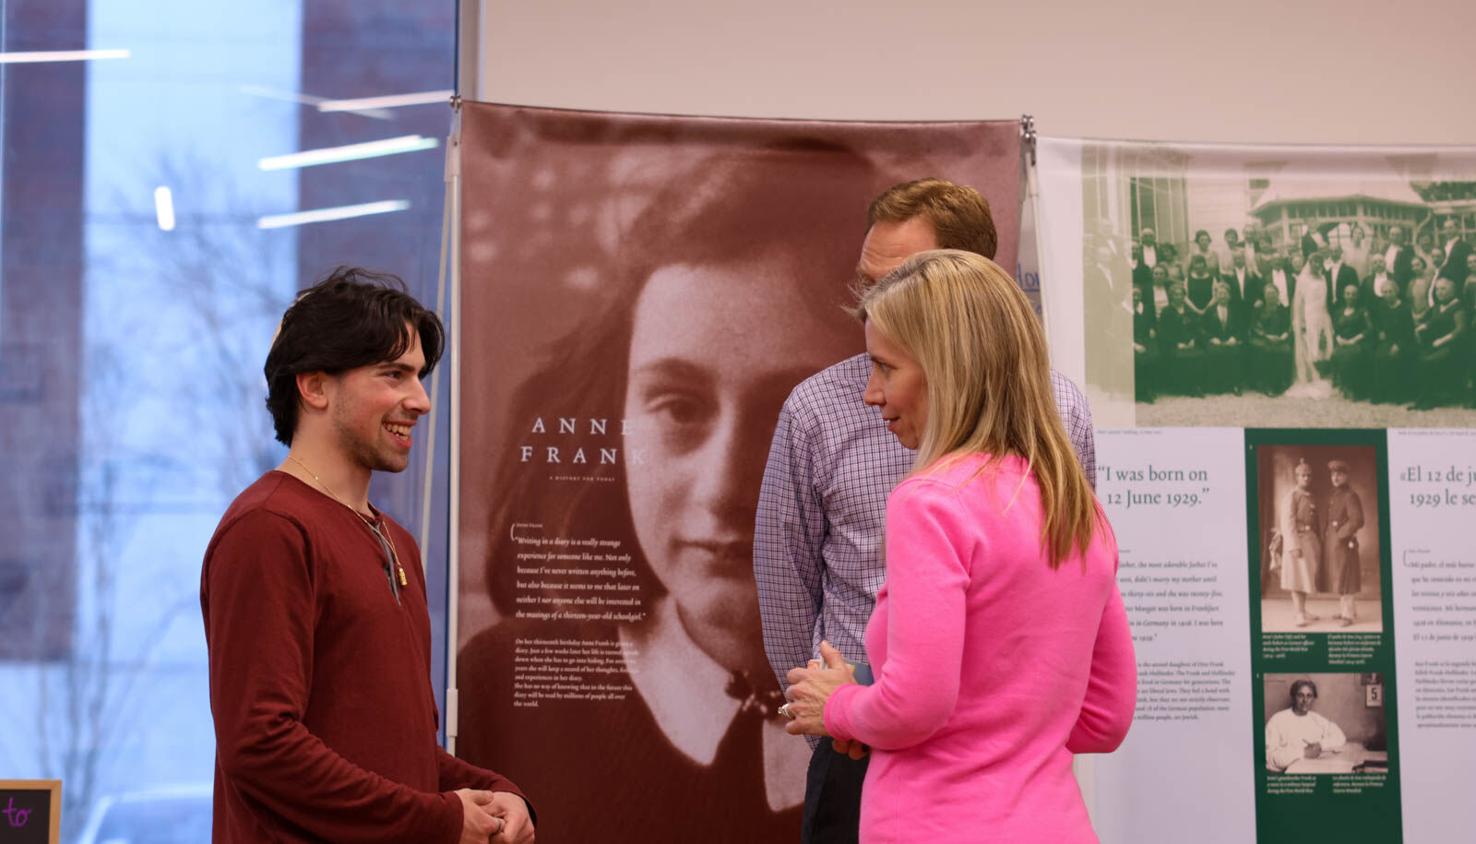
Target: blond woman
point(999, 642)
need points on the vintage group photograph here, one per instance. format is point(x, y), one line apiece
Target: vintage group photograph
point(1301, 291)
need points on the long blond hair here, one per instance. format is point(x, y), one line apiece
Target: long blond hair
point(983, 355)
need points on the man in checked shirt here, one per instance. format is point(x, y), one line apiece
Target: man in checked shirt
point(818, 538)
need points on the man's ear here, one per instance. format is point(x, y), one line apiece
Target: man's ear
point(312, 389)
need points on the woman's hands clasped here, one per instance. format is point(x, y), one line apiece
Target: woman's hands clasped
point(810, 687)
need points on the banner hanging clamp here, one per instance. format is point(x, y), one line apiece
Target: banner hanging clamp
point(1027, 136)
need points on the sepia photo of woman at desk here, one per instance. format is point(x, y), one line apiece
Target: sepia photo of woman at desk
point(1297, 732)
point(1346, 736)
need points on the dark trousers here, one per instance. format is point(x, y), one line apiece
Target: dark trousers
point(833, 797)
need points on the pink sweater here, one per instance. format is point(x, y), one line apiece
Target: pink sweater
point(991, 668)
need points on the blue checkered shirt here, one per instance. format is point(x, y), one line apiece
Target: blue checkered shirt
point(822, 506)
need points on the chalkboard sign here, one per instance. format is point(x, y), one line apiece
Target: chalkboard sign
point(30, 811)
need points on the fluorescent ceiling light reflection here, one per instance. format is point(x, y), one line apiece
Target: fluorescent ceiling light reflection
point(164, 208)
point(351, 152)
point(34, 56)
point(323, 215)
point(390, 101)
point(305, 99)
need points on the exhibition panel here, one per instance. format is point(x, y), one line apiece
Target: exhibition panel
point(1277, 343)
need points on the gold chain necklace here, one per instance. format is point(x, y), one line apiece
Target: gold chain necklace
point(387, 537)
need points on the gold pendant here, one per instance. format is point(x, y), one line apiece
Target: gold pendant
point(403, 581)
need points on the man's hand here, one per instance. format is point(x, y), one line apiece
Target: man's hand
point(478, 824)
point(850, 747)
point(1314, 750)
point(517, 825)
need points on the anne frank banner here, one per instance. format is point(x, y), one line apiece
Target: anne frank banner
point(639, 294)
point(1280, 341)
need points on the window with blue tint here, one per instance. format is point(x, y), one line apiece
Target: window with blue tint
point(165, 195)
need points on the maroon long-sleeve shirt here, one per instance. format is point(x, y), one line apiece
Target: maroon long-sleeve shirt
point(325, 722)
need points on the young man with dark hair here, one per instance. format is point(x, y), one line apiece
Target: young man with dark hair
point(314, 601)
point(817, 541)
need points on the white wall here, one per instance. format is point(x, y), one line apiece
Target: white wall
point(1256, 70)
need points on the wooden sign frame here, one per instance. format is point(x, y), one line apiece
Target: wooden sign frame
point(9, 814)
